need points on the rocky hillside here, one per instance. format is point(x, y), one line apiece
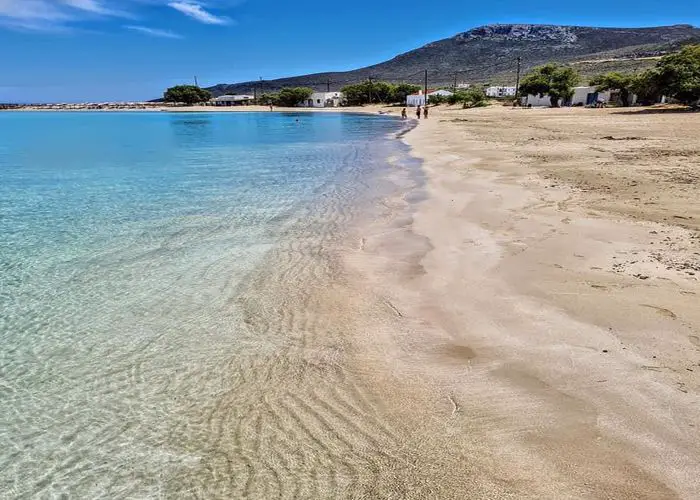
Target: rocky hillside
point(489, 53)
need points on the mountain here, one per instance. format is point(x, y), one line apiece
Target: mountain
point(488, 54)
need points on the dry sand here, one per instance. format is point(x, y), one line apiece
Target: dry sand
point(547, 303)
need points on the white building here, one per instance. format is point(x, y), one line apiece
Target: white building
point(233, 100)
point(537, 101)
point(500, 92)
point(418, 99)
point(589, 96)
point(323, 100)
point(583, 96)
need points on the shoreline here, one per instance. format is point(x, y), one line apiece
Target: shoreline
point(529, 326)
point(316, 420)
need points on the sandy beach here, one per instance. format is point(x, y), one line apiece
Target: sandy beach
point(545, 291)
point(512, 314)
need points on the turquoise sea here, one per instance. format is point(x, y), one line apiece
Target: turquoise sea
point(126, 240)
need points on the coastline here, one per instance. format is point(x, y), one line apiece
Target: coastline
point(539, 333)
point(307, 416)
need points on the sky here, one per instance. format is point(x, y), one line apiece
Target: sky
point(124, 50)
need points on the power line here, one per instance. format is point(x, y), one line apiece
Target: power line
point(426, 88)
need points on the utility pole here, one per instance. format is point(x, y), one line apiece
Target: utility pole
point(196, 83)
point(328, 85)
point(426, 88)
point(517, 82)
point(454, 87)
point(369, 89)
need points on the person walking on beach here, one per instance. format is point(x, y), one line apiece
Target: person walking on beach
point(425, 112)
point(418, 112)
point(403, 114)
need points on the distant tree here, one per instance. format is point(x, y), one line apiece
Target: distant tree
point(186, 94)
point(370, 92)
point(551, 79)
point(437, 99)
point(382, 92)
point(647, 87)
point(269, 98)
point(616, 81)
point(456, 97)
point(292, 96)
point(356, 94)
point(473, 97)
point(403, 90)
point(678, 75)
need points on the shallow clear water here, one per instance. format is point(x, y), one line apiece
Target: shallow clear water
point(124, 239)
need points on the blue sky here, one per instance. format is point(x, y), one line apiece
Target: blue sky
point(94, 50)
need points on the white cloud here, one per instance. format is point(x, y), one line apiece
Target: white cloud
point(50, 14)
point(196, 11)
point(54, 15)
point(31, 9)
point(88, 5)
point(153, 31)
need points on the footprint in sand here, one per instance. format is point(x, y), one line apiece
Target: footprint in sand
point(695, 340)
point(454, 353)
